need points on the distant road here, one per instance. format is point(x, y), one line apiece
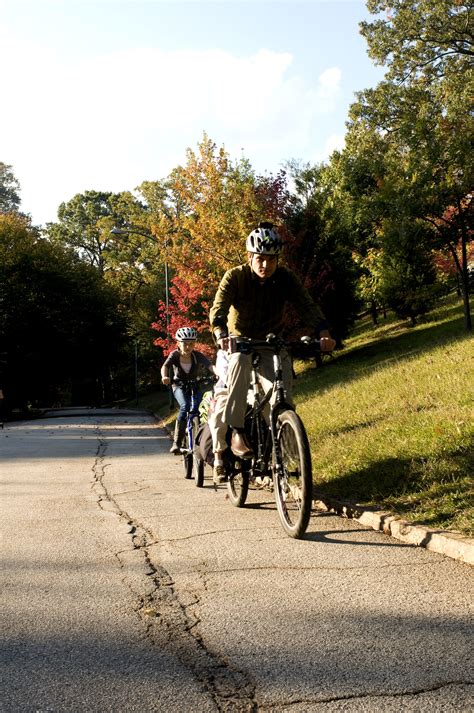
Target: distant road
point(126, 588)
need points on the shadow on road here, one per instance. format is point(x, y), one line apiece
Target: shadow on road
point(53, 438)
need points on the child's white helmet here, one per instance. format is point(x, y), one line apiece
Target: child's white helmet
point(186, 334)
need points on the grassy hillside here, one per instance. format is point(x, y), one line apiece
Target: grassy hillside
point(390, 420)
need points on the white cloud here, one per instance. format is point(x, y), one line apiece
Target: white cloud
point(329, 87)
point(109, 122)
point(334, 142)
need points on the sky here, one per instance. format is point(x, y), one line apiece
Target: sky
point(105, 94)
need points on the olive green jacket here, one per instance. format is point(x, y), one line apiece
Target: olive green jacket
point(246, 306)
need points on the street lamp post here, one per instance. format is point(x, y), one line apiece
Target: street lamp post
point(136, 372)
point(149, 236)
point(167, 303)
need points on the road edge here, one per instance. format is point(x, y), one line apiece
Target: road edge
point(443, 542)
point(450, 544)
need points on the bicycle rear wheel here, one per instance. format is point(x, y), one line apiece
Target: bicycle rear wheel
point(238, 485)
point(294, 483)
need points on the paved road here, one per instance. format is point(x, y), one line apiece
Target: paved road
point(128, 589)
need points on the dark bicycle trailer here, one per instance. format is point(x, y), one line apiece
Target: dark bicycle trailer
point(203, 444)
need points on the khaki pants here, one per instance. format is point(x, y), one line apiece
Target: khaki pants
point(217, 425)
point(238, 382)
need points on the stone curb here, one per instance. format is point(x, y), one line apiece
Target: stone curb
point(450, 544)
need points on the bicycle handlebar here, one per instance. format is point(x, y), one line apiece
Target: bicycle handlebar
point(194, 382)
point(248, 344)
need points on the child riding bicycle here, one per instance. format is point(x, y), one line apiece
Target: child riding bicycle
point(184, 364)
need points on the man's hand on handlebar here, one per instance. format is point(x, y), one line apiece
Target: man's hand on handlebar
point(326, 342)
point(166, 380)
point(223, 343)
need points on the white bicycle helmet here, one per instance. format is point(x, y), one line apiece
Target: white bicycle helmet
point(186, 334)
point(264, 240)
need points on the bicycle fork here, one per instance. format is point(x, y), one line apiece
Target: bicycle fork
point(257, 429)
point(279, 390)
point(191, 425)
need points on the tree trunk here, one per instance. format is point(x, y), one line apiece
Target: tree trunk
point(373, 312)
point(463, 270)
point(458, 285)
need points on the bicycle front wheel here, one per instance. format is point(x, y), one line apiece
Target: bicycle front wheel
point(191, 430)
point(293, 479)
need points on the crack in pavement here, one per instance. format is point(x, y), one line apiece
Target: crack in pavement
point(137, 490)
point(168, 624)
point(207, 533)
point(289, 568)
point(362, 696)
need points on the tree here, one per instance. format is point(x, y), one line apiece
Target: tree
point(215, 201)
point(9, 190)
point(60, 326)
point(189, 309)
point(408, 276)
point(130, 262)
point(419, 167)
point(433, 38)
point(84, 224)
point(422, 116)
point(369, 284)
point(321, 251)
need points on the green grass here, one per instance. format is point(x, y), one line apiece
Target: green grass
point(390, 420)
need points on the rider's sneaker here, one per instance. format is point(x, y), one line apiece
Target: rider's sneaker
point(218, 474)
point(175, 449)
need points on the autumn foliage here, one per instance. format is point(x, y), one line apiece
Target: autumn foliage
point(213, 203)
point(186, 308)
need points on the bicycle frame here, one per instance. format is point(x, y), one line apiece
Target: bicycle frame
point(190, 421)
point(189, 387)
point(285, 432)
point(192, 418)
point(275, 396)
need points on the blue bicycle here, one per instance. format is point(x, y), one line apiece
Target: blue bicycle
point(193, 389)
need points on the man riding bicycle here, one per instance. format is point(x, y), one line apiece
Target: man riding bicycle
point(250, 302)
